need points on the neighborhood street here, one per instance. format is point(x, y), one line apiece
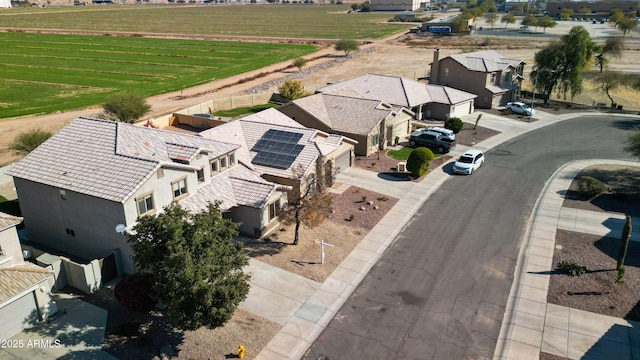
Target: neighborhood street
point(440, 289)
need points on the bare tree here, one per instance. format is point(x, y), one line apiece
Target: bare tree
point(310, 207)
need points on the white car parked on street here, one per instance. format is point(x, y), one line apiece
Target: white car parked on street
point(469, 162)
point(520, 108)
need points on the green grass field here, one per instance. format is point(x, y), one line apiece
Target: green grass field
point(281, 21)
point(44, 73)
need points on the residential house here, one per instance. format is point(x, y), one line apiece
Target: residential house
point(83, 189)
point(493, 78)
point(25, 288)
point(424, 100)
point(373, 123)
point(283, 151)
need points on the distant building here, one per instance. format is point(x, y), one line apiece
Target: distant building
point(554, 8)
point(395, 5)
point(5, 3)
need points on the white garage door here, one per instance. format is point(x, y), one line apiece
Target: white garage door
point(462, 109)
point(17, 315)
point(343, 162)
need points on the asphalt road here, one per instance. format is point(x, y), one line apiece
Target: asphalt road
point(440, 290)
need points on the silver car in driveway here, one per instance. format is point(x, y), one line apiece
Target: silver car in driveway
point(520, 108)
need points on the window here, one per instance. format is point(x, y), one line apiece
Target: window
point(274, 210)
point(200, 174)
point(375, 139)
point(493, 79)
point(223, 163)
point(232, 159)
point(70, 232)
point(214, 167)
point(160, 173)
point(63, 194)
point(179, 188)
point(446, 72)
point(145, 204)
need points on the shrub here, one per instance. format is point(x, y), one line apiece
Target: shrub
point(418, 161)
point(620, 276)
point(572, 268)
point(590, 187)
point(454, 124)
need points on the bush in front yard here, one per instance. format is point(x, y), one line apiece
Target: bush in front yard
point(454, 124)
point(418, 161)
point(590, 187)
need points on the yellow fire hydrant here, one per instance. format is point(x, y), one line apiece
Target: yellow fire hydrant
point(241, 351)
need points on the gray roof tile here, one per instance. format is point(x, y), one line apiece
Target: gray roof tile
point(108, 159)
point(345, 114)
point(397, 91)
point(485, 61)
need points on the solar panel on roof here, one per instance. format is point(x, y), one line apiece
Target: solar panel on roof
point(277, 148)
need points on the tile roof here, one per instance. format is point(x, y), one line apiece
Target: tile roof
point(390, 89)
point(485, 61)
point(445, 95)
point(345, 114)
point(236, 186)
point(8, 221)
point(396, 90)
point(248, 130)
point(16, 279)
point(108, 159)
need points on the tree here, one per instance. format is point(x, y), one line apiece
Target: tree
point(125, 107)
point(561, 63)
point(27, 141)
point(491, 18)
point(566, 13)
point(454, 124)
point(547, 22)
point(292, 89)
point(624, 242)
point(633, 144)
point(459, 24)
point(608, 81)
point(616, 16)
point(354, 7)
point(299, 63)
point(612, 47)
point(195, 264)
point(418, 161)
point(627, 25)
point(310, 208)
point(489, 6)
point(365, 7)
point(530, 20)
point(347, 45)
point(508, 19)
point(584, 10)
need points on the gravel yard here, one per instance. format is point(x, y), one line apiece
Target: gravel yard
point(596, 291)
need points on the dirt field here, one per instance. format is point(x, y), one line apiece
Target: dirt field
point(391, 56)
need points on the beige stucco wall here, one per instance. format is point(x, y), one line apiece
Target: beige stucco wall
point(10, 245)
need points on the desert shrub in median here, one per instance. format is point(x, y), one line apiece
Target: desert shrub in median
point(590, 187)
point(454, 124)
point(418, 161)
point(572, 268)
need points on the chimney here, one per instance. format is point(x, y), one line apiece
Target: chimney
point(434, 67)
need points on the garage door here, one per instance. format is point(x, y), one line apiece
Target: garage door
point(400, 129)
point(343, 161)
point(462, 109)
point(17, 315)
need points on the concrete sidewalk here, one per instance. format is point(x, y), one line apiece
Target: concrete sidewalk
point(596, 222)
point(530, 325)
